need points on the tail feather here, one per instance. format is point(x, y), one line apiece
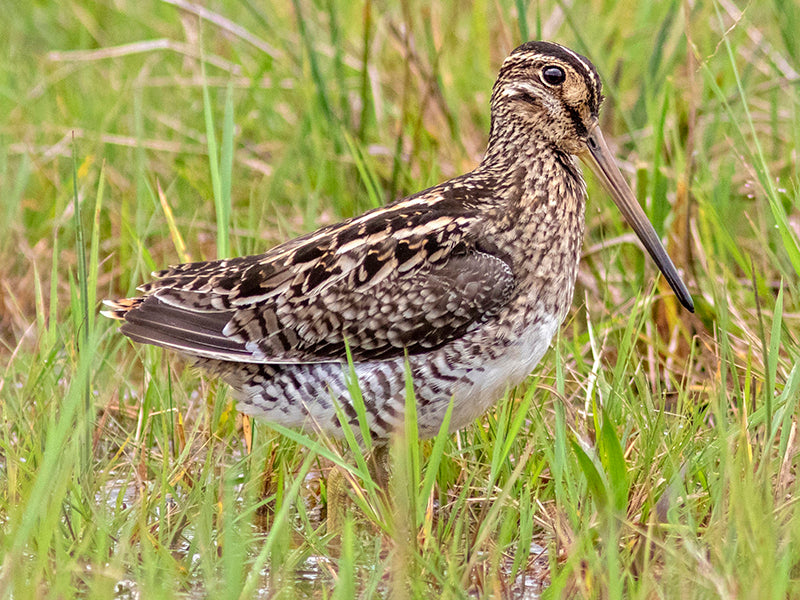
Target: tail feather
point(117, 309)
point(151, 321)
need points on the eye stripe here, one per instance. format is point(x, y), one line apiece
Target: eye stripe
point(590, 74)
point(520, 58)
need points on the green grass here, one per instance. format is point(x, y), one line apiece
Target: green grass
point(652, 454)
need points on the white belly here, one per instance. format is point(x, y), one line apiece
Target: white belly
point(478, 389)
point(304, 395)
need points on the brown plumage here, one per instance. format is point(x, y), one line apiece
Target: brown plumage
point(466, 281)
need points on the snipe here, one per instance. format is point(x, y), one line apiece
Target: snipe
point(468, 280)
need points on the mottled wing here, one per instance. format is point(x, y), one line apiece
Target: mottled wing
point(399, 279)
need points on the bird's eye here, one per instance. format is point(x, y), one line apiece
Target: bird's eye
point(553, 75)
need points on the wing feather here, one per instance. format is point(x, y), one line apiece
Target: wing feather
point(406, 278)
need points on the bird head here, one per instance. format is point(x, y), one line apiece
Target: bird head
point(549, 90)
point(547, 96)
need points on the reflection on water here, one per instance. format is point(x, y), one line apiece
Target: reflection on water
point(307, 576)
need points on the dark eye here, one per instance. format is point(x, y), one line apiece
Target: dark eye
point(553, 75)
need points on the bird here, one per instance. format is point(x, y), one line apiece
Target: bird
point(462, 285)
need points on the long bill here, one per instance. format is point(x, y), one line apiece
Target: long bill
point(600, 160)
